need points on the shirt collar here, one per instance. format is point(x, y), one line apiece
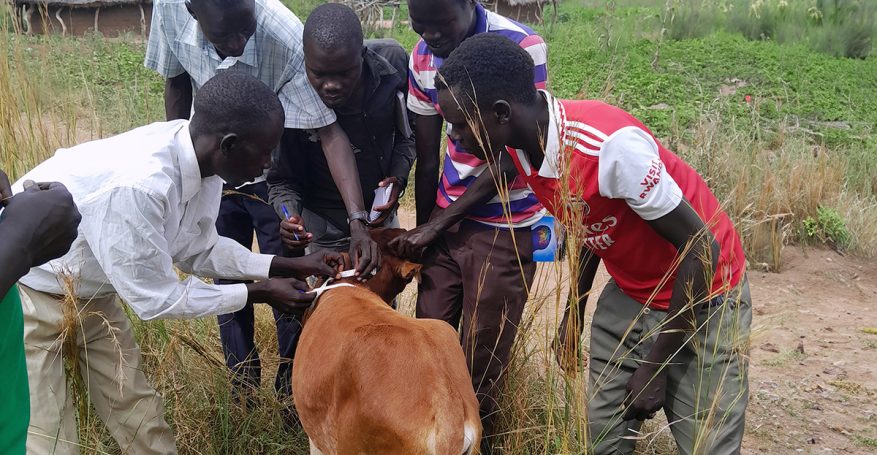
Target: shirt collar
point(250, 57)
point(190, 172)
point(556, 136)
point(375, 69)
point(192, 36)
point(551, 149)
point(481, 22)
point(378, 66)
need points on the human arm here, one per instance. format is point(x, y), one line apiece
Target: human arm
point(342, 165)
point(285, 191)
point(226, 258)
point(160, 57)
point(428, 134)
point(699, 252)
point(631, 168)
point(124, 228)
point(178, 97)
point(497, 174)
point(5, 189)
point(36, 226)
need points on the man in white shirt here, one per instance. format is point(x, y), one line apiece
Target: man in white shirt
point(149, 200)
point(189, 42)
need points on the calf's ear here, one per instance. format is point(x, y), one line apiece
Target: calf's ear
point(409, 270)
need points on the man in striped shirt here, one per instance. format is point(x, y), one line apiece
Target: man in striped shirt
point(476, 249)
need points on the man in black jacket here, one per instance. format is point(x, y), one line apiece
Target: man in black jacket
point(365, 83)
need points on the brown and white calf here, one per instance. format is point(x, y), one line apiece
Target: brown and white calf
point(368, 380)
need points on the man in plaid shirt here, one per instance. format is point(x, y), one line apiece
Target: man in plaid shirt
point(190, 40)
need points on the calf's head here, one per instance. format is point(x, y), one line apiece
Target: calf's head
point(394, 274)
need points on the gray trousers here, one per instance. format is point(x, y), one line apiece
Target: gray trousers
point(707, 380)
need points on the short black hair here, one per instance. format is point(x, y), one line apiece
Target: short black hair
point(333, 26)
point(234, 102)
point(488, 67)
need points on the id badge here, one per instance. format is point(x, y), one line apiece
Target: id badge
point(548, 240)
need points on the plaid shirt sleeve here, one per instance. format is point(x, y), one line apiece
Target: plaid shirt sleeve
point(303, 107)
point(159, 54)
point(281, 54)
point(418, 101)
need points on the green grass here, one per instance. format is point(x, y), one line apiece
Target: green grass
point(784, 358)
point(863, 441)
point(591, 54)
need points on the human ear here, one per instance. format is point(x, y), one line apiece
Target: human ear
point(502, 111)
point(227, 143)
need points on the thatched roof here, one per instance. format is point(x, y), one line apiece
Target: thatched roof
point(81, 3)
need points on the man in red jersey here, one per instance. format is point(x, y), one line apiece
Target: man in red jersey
point(671, 327)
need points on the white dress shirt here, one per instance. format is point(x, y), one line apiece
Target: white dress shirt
point(145, 208)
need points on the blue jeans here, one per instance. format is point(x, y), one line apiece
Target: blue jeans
point(239, 216)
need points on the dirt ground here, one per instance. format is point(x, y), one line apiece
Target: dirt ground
point(813, 378)
point(813, 382)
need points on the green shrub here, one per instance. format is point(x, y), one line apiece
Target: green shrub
point(827, 227)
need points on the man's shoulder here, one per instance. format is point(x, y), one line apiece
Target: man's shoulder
point(282, 28)
point(598, 115)
point(145, 158)
point(420, 52)
point(514, 30)
point(166, 4)
point(171, 20)
point(392, 51)
point(385, 47)
point(169, 11)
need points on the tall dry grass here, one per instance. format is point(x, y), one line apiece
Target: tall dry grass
point(843, 28)
point(770, 181)
point(28, 130)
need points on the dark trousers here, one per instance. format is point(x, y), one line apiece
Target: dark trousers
point(239, 217)
point(478, 275)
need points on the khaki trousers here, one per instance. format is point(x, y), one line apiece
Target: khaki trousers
point(110, 364)
point(707, 381)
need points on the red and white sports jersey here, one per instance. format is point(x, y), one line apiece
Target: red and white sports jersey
point(621, 177)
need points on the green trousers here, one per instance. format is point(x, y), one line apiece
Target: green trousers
point(707, 380)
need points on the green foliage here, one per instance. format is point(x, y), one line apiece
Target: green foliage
point(843, 28)
point(696, 21)
point(827, 227)
point(784, 358)
point(866, 442)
